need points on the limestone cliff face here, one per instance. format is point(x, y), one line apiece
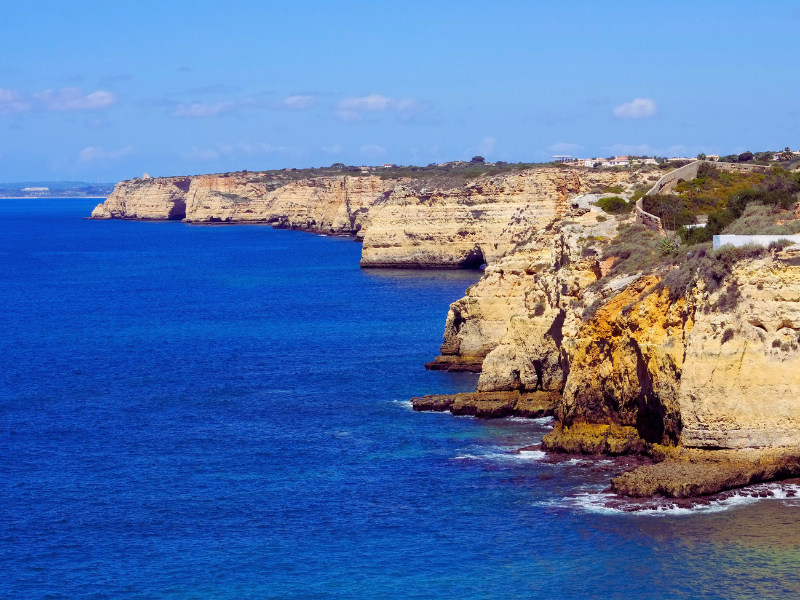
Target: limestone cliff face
point(695, 371)
point(338, 205)
point(525, 311)
point(740, 385)
point(626, 367)
point(664, 371)
point(402, 222)
point(478, 223)
point(162, 198)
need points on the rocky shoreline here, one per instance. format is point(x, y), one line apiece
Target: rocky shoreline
point(402, 222)
point(686, 372)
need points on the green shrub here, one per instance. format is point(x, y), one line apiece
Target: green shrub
point(615, 205)
point(614, 189)
point(672, 210)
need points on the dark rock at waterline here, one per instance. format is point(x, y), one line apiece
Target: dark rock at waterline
point(455, 363)
point(491, 405)
point(695, 472)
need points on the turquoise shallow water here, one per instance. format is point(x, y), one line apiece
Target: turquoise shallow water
point(221, 412)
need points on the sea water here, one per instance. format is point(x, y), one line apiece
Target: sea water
point(222, 412)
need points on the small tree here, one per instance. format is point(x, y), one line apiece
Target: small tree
point(745, 156)
point(701, 156)
point(478, 159)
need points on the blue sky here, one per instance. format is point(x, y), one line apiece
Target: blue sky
point(109, 90)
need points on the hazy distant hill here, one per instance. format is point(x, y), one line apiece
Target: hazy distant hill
point(54, 189)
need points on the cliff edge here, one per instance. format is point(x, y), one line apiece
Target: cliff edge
point(434, 222)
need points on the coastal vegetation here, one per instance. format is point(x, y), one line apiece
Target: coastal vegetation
point(687, 257)
point(615, 205)
point(724, 197)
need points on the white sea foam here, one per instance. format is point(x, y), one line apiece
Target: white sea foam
point(546, 421)
point(404, 403)
point(504, 456)
point(599, 502)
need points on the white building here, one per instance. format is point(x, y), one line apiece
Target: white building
point(562, 158)
point(617, 161)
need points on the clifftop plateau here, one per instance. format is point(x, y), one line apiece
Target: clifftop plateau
point(403, 222)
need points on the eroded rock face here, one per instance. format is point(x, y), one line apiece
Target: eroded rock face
point(402, 222)
point(523, 315)
point(740, 385)
point(478, 223)
point(160, 199)
point(703, 472)
point(626, 368)
point(695, 371)
point(336, 205)
point(490, 405)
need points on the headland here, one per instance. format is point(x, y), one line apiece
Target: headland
point(603, 302)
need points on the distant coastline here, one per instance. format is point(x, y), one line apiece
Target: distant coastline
point(70, 197)
point(20, 190)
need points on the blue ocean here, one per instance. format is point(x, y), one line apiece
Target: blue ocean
point(222, 412)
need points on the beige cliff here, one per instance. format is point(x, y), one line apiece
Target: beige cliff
point(740, 386)
point(516, 303)
point(338, 205)
point(163, 198)
point(474, 224)
point(626, 367)
point(439, 223)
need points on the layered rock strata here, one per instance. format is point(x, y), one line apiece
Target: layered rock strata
point(705, 383)
point(402, 222)
point(535, 295)
point(475, 224)
point(159, 199)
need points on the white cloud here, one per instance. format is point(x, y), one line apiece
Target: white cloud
point(68, 99)
point(640, 108)
point(12, 102)
point(372, 102)
point(644, 150)
point(200, 110)
point(372, 151)
point(335, 149)
point(564, 147)
point(298, 102)
point(199, 154)
point(93, 153)
point(635, 149)
point(353, 109)
point(486, 145)
point(238, 149)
